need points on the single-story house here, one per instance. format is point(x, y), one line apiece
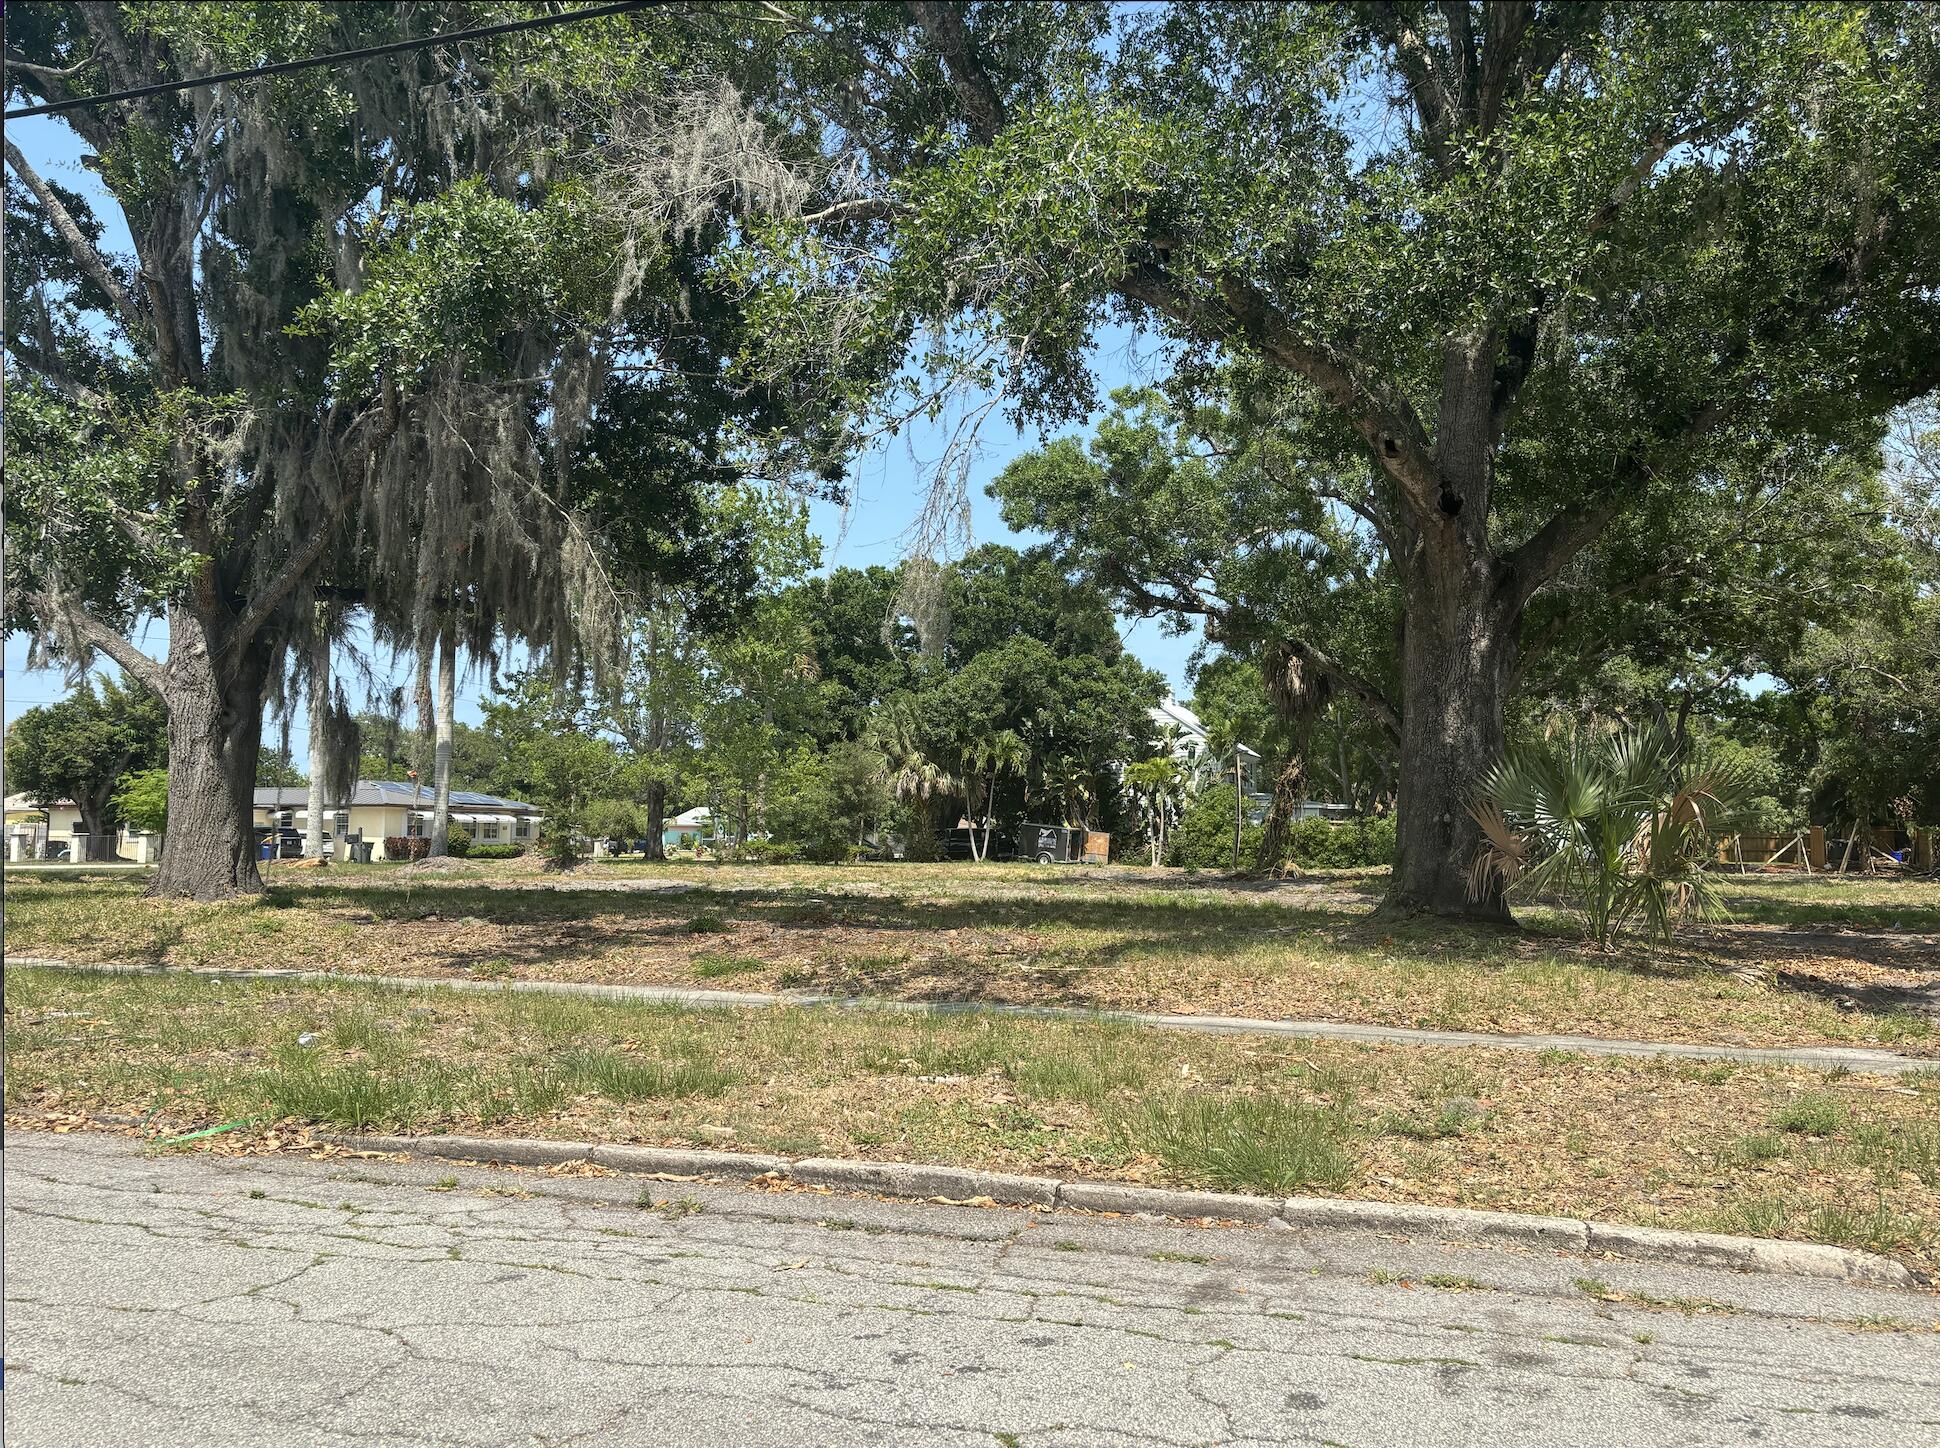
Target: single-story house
point(381, 809)
point(38, 828)
point(684, 829)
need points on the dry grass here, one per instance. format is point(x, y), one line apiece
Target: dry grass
point(1785, 1153)
point(1120, 938)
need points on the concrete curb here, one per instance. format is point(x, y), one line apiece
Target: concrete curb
point(1612, 1240)
point(1864, 1060)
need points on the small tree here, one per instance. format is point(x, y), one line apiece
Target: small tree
point(1619, 822)
point(1159, 785)
point(80, 748)
point(142, 800)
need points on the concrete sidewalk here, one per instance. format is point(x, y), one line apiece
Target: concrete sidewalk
point(209, 1301)
point(1865, 1060)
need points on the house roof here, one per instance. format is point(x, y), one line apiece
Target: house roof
point(698, 815)
point(389, 792)
point(1170, 711)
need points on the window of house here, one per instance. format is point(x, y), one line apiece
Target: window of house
point(522, 830)
point(414, 827)
point(490, 832)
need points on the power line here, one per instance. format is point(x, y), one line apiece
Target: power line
point(284, 67)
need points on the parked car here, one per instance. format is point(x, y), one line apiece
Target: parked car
point(289, 842)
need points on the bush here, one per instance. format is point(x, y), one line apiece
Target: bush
point(766, 852)
point(458, 842)
point(1204, 837)
point(497, 852)
point(1318, 844)
point(406, 847)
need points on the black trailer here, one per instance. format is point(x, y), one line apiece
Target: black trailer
point(1050, 844)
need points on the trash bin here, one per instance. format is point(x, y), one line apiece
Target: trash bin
point(360, 851)
point(266, 848)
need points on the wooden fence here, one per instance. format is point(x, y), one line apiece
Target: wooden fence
point(1808, 850)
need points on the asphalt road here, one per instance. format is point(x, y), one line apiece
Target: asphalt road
point(207, 1301)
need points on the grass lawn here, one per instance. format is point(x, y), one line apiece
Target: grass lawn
point(1784, 1153)
point(1818, 961)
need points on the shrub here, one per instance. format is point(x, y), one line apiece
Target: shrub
point(1319, 844)
point(458, 842)
point(766, 852)
point(1620, 822)
point(497, 852)
point(1204, 837)
point(406, 847)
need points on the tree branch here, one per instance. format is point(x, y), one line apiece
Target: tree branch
point(862, 208)
point(1385, 422)
point(300, 562)
point(942, 22)
point(1345, 679)
point(78, 246)
point(100, 637)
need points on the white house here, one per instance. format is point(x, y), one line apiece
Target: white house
point(1192, 747)
point(386, 808)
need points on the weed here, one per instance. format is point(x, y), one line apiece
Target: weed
point(1813, 1114)
point(714, 965)
point(1258, 1143)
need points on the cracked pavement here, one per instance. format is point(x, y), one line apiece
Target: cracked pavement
point(207, 1300)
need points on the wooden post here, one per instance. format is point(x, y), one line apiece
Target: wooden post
point(1738, 851)
point(1923, 851)
point(1815, 849)
point(1845, 860)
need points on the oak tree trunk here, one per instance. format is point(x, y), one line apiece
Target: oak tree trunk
point(656, 811)
point(1457, 651)
point(441, 750)
point(215, 729)
point(95, 813)
point(319, 758)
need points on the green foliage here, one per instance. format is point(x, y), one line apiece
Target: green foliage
point(1320, 844)
point(451, 275)
point(276, 770)
point(1622, 823)
point(825, 802)
point(497, 852)
point(458, 842)
point(1204, 838)
point(613, 819)
point(82, 747)
point(141, 800)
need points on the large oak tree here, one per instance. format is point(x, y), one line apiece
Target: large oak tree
point(1529, 267)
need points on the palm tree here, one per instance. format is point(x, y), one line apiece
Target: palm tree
point(1159, 785)
point(990, 756)
point(910, 770)
point(1622, 822)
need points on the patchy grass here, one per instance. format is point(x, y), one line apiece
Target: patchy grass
point(1115, 938)
point(1632, 1140)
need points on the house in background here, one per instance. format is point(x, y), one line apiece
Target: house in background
point(1191, 746)
point(687, 828)
point(385, 808)
point(38, 830)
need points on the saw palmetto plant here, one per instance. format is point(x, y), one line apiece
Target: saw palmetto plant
point(1619, 824)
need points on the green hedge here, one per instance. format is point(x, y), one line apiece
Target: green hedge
point(1331, 845)
point(496, 852)
point(1204, 839)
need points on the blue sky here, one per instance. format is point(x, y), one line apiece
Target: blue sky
point(886, 485)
